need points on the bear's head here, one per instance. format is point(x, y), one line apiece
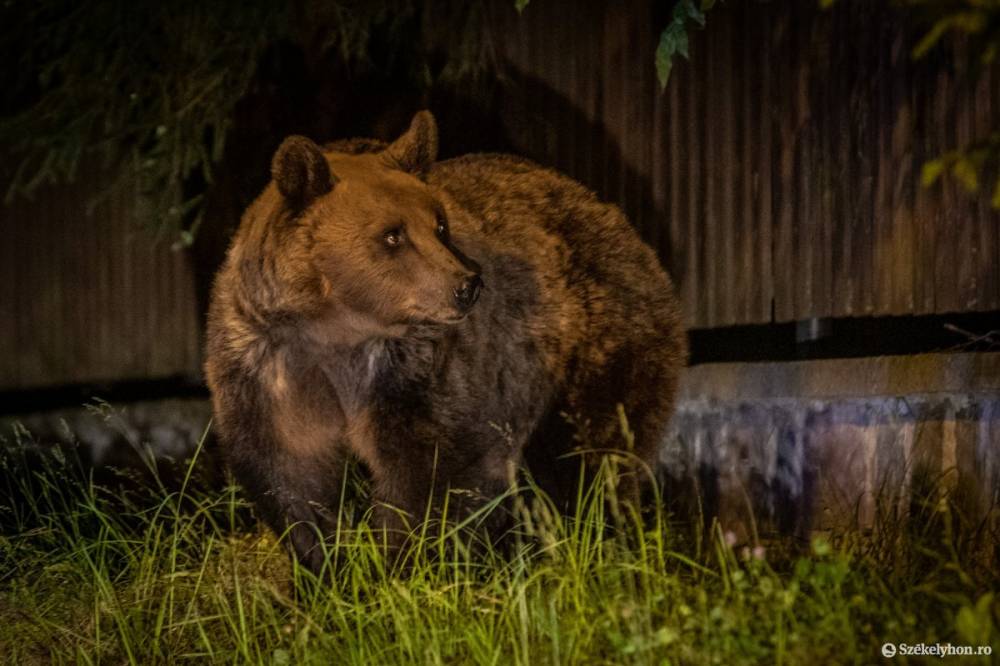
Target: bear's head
point(377, 234)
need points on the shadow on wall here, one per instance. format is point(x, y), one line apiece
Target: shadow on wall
point(509, 111)
point(548, 127)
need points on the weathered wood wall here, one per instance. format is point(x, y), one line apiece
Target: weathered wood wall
point(778, 174)
point(90, 298)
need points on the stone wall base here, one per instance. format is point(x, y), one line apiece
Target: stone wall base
point(800, 446)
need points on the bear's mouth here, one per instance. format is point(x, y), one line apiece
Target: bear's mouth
point(428, 320)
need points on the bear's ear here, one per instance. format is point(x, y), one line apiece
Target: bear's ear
point(417, 149)
point(300, 171)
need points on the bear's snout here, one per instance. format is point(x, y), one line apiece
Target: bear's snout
point(467, 293)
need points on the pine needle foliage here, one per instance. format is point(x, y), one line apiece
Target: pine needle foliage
point(148, 90)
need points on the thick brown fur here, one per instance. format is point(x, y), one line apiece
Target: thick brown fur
point(329, 341)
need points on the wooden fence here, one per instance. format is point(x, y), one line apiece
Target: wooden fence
point(777, 176)
point(90, 298)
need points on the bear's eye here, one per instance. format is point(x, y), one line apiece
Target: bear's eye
point(393, 237)
point(442, 228)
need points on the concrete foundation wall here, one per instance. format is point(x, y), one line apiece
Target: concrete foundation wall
point(798, 446)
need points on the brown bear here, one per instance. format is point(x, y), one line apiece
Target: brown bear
point(442, 323)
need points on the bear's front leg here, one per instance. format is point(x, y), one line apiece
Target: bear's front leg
point(445, 486)
point(301, 503)
point(282, 440)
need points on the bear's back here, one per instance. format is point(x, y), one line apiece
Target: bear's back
point(523, 205)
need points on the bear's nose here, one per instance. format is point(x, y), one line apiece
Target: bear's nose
point(467, 293)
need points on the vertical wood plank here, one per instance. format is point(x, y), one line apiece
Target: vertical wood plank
point(729, 277)
point(786, 96)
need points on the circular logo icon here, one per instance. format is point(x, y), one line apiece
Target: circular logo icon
point(889, 650)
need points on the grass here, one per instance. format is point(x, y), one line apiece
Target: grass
point(133, 569)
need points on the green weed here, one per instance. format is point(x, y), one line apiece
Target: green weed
point(135, 570)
